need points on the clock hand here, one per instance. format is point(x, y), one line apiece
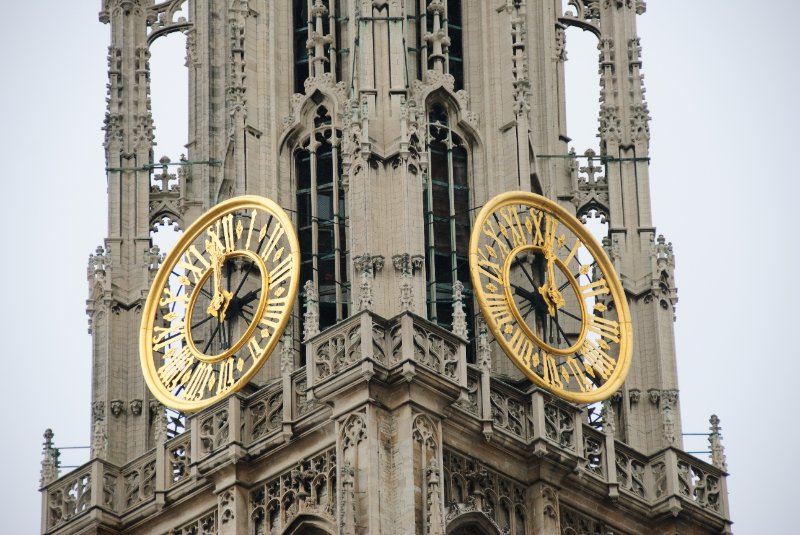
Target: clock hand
point(221, 297)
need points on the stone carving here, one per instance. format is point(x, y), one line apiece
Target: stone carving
point(715, 444)
point(139, 482)
point(630, 474)
point(99, 264)
point(226, 503)
point(308, 487)
point(214, 431)
point(311, 314)
point(662, 284)
point(406, 264)
point(109, 491)
point(205, 525)
point(50, 454)
point(337, 351)
point(348, 521)
point(179, 458)
point(432, 351)
point(136, 406)
point(668, 400)
point(470, 487)
point(71, 498)
point(594, 453)
point(367, 266)
point(610, 124)
point(266, 415)
point(561, 45)
point(117, 407)
point(459, 316)
point(287, 353)
point(609, 417)
point(507, 413)
point(484, 349)
point(354, 430)
point(559, 426)
point(163, 18)
point(590, 194)
point(158, 422)
point(573, 522)
point(697, 485)
point(634, 395)
point(519, 56)
point(99, 445)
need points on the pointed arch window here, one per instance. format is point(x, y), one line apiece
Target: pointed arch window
point(446, 204)
point(323, 25)
point(322, 218)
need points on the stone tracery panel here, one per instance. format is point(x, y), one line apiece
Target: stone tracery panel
point(470, 487)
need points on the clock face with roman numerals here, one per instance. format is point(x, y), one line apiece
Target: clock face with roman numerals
point(550, 297)
point(219, 303)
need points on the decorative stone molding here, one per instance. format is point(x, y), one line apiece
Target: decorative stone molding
point(634, 395)
point(654, 394)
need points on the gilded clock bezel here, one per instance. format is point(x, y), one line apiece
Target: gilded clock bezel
point(150, 310)
point(532, 200)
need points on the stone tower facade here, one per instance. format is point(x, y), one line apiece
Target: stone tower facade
point(381, 126)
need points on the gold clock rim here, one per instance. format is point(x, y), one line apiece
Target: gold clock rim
point(262, 305)
point(515, 311)
point(151, 303)
point(596, 250)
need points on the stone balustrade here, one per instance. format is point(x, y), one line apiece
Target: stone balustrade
point(369, 348)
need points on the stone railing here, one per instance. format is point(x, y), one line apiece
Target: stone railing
point(368, 345)
point(369, 348)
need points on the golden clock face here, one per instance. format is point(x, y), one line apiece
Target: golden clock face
point(550, 297)
point(219, 303)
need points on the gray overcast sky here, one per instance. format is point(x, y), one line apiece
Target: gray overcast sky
point(721, 83)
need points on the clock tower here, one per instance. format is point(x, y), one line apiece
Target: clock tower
point(387, 406)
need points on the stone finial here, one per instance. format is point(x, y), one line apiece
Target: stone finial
point(99, 447)
point(311, 315)
point(287, 353)
point(347, 522)
point(158, 417)
point(609, 417)
point(50, 454)
point(99, 263)
point(459, 316)
point(715, 443)
point(484, 350)
point(406, 264)
point(367, 265)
